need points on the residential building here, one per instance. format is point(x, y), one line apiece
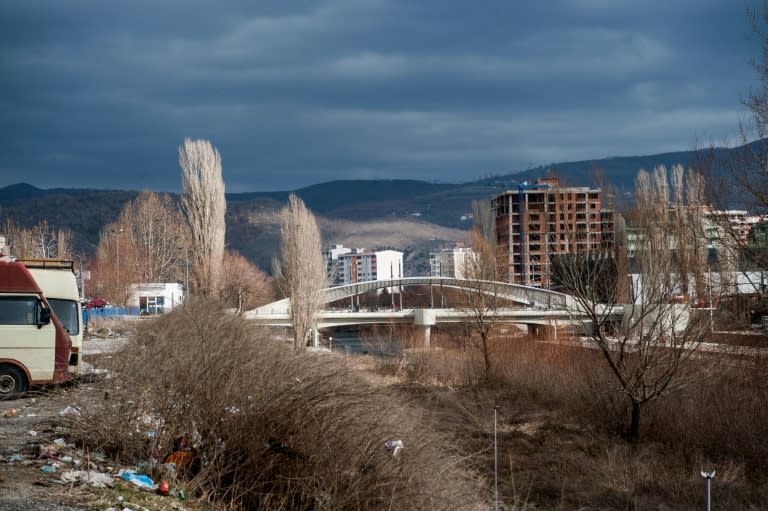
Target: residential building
point(450, 262)
point(331, 255)
point(736, 222)
point(360, 265)
point(540, 220)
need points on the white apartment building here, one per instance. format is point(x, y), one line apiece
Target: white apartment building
point(450, 262)
point(360, 265)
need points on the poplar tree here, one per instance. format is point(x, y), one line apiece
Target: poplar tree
point(204, 206)
point(302, 268)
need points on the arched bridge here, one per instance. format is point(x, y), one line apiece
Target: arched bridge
point(531, 297)
point(536, 307)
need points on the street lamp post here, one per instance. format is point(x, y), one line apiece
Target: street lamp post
point(117, 235)
point(82, 281)
point(495, 460)
point(711, 312)
point(708, 476)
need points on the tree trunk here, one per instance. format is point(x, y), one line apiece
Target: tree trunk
point(634, 426)
point(486, 356)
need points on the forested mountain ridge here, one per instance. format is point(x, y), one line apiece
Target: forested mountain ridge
point(434, 213)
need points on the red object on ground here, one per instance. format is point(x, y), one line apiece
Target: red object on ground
point(163, 489)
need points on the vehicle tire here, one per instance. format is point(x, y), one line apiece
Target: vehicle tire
point(13, 382)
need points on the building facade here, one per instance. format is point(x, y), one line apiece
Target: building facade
point(360, 265)
point(332, 269)
point(450, 262)
point(156, 297)
point(537, 221)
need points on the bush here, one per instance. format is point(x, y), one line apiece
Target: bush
point(271, 429)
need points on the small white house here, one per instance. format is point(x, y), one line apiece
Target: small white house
point(156, 298)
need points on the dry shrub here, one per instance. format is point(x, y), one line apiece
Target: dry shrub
point(723, 412)
point(272, 429)
point(546, 370)
point(446, 364)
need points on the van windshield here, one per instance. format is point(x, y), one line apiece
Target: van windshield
point(66, 311)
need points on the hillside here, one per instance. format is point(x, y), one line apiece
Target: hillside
point(410, 215)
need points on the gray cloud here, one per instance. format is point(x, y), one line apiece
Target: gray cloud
point(293, 93)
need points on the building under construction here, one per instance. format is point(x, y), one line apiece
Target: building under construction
point(540, 220)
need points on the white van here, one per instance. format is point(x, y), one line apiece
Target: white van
point(34, 346)
point(56, 278)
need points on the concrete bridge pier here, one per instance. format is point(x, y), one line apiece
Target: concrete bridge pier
point(541, 330)
point(426, 318)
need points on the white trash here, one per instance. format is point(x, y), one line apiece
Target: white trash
point(394, 447)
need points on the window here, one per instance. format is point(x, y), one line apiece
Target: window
point(18, 310)
point(66, 311)
point(151, 304)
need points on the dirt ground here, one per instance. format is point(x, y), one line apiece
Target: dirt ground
point(26, 426)
point(37, 462)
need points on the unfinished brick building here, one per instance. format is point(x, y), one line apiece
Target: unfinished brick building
point(537, 221)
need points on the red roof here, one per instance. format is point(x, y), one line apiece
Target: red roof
point(15, 278)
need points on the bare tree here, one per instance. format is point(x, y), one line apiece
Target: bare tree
point(480, 296)
point(115, 266)
point(38, 242)
point(303, 267)
point(155, 231)
point(244, 286)
point(646, 343)
point(204, 206)
point(144, 244)
point(749, 173)
point(739, 177)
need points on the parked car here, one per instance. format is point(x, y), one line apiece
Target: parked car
point(96, 303)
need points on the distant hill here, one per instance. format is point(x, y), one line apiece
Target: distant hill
point(356, 213)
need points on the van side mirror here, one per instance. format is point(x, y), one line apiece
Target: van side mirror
point(45, 317)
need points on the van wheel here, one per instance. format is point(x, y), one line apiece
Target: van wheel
point(13, 383)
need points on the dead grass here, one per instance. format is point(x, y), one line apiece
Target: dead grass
point(271, 429)
point(559, 422)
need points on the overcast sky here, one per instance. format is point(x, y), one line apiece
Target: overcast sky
point(100, 94)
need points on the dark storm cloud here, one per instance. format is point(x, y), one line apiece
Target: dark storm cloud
point(101, 94)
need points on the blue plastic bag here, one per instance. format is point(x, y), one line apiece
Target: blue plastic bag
point(140, 480)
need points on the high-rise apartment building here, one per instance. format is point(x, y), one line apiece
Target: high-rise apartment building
point(360, 265)
point(537, 221)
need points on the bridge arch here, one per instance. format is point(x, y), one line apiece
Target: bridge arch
point(530, 296)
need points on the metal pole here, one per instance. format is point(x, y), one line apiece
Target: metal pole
point(495, 461)
point(711, 319)
point(708, 476)
point(82, 282)
point(118, 260)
